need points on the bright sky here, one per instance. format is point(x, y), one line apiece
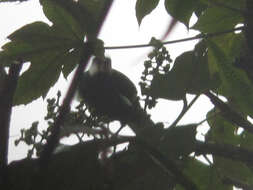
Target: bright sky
point(120, 28)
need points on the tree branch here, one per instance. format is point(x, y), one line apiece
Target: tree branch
point(225, 150)
point(230, 114)
point(6, 97)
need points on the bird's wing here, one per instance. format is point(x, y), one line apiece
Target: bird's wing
point(124, 85)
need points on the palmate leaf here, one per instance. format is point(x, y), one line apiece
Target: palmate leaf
point(43, 74)
point(48, 49)
point(83, 15)
point(62, 20)
point(34, 40)
point(37, 80)
point(235, 81)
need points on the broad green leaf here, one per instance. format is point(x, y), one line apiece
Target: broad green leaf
point(48, 51)
point(163, 86)
point(221, 131)
point(144, 7)
point(217, 19)
point(38, 79)
point(179, 141)
point(234, 170)
point(235, 81)
point(93, 7)
point(201, 79)
point(190, 74)
point(232, 45)
point(36, 32)
point(229, 4)
point(65, 24)
point(181, 10)
point(204, 176)
point(34, 40)
point(16, 50)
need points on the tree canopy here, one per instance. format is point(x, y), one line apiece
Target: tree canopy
point(158, 156)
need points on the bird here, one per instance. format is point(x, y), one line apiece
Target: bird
point(109, 92)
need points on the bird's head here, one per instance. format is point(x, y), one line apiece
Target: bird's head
point(100, 65)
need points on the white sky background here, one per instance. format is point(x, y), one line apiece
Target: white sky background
point(120, 28)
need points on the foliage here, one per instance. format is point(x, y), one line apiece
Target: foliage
point(157, 157)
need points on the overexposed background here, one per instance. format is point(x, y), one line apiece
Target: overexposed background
point(121, 28)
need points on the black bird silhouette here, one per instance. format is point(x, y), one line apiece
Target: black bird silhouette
point(109, 92)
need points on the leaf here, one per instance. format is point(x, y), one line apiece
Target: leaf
point(217, 19)
point(174, 84)
point(221, 131)
point(37, 80)
point(35, 32)
point(63, 21)
point(163, 86)
point(232, 45)
point(201, 78)
point(235, 81)
point(204, 176)
point(234, 170)
point(179, 141)
point(47, 51)
point(144, 7)
point(33, 40)
point(181, 10)
point(93, 7)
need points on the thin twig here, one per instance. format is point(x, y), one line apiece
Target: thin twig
point(199, 36)
point(184, 110)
